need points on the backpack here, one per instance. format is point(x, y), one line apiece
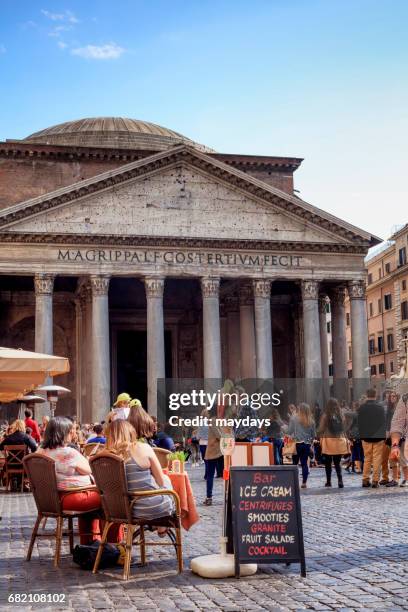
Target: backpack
point(84, 555)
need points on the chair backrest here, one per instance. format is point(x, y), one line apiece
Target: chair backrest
point(41, 474)
point(14, 455)
point(162, 455)
point(109, 473)
point(92, 448)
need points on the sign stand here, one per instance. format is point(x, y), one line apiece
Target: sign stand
point(223, 565)
point(266, 516)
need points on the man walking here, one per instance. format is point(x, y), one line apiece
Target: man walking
point(372, 431)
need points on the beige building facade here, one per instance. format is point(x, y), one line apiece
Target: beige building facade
point(176, 261)
point(387, 307)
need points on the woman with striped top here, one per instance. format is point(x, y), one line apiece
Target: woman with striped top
point(143, 470)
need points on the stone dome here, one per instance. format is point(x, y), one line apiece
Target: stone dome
point(113, 133)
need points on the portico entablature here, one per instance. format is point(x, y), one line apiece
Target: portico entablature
point(79, 260)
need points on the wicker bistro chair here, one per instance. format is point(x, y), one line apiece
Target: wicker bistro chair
point(41, 473)
point(92, 448)
point(110, 478)
point(14, 455)
point(162, 455)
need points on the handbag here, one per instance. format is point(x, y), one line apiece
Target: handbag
point(335, 446)
point(84, 555)
point(289, 447)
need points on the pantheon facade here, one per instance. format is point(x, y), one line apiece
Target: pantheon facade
point(140, 254)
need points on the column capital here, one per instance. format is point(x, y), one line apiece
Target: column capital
point(322, 303)
point(210, 287)
point(262, 287)
point(99, 284)
point(337, 296)
point(84, 292)
point(154, 286)
point(356, 289)
point(246, 294)
point(310, 289)
point(44, 284)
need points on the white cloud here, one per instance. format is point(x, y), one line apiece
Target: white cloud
point(56, 32)
point(65, 16)
point(101, 52)
point(62, 45)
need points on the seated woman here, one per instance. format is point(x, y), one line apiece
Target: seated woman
point(73, 471)
point(17, 436)
point(143, 470)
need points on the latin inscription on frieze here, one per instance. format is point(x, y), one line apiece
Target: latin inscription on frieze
point(199, 258)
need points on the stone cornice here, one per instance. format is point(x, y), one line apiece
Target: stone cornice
point(166, 241)
point(18, 149)
point(291, 205)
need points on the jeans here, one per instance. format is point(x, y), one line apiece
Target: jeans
point(203, 448)
point(302, 455)
point(277, 450)
point(212, 466)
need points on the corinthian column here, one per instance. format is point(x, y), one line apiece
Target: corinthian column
point(247, 331)
point(155, 339)
point(339, 338)
point(359, 335)
point(100, 347)
point(263, 329)
point(311, 329)
point(324, 348)
point(234, 342)
point(44, 286)
point(211, 328)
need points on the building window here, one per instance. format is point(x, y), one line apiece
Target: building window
point(370, 309)
point(391, 366)
point(379, 273)
point(327, 307)
point(388, 301)
point(330, 369)
point(380, 344)
point(404, 285)
point(390, 342)
point(349, 353)
point(370, 279)
point(348, 319)
point(350, 373)
point(328, 327)
point(381, 368)
point(402, 256)
point(373, 370)
point(371, 346)
point(404, 310)
point(379, 307)
point(388, 268)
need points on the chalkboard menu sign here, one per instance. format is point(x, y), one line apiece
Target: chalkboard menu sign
point(266, 516)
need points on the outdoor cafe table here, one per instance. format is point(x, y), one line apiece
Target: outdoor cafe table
point(182, 486)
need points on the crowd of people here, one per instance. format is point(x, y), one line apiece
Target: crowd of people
point(129, 434)
point(366, 437)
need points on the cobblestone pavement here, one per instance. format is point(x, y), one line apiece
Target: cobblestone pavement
point(356, 551)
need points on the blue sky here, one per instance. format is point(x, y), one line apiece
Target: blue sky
point(321, 79)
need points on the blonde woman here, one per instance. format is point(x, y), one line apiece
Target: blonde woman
point(143, 470)
point(302, 429)
point(17, 436)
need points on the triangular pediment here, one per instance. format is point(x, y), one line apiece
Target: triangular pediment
point(180, 193)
